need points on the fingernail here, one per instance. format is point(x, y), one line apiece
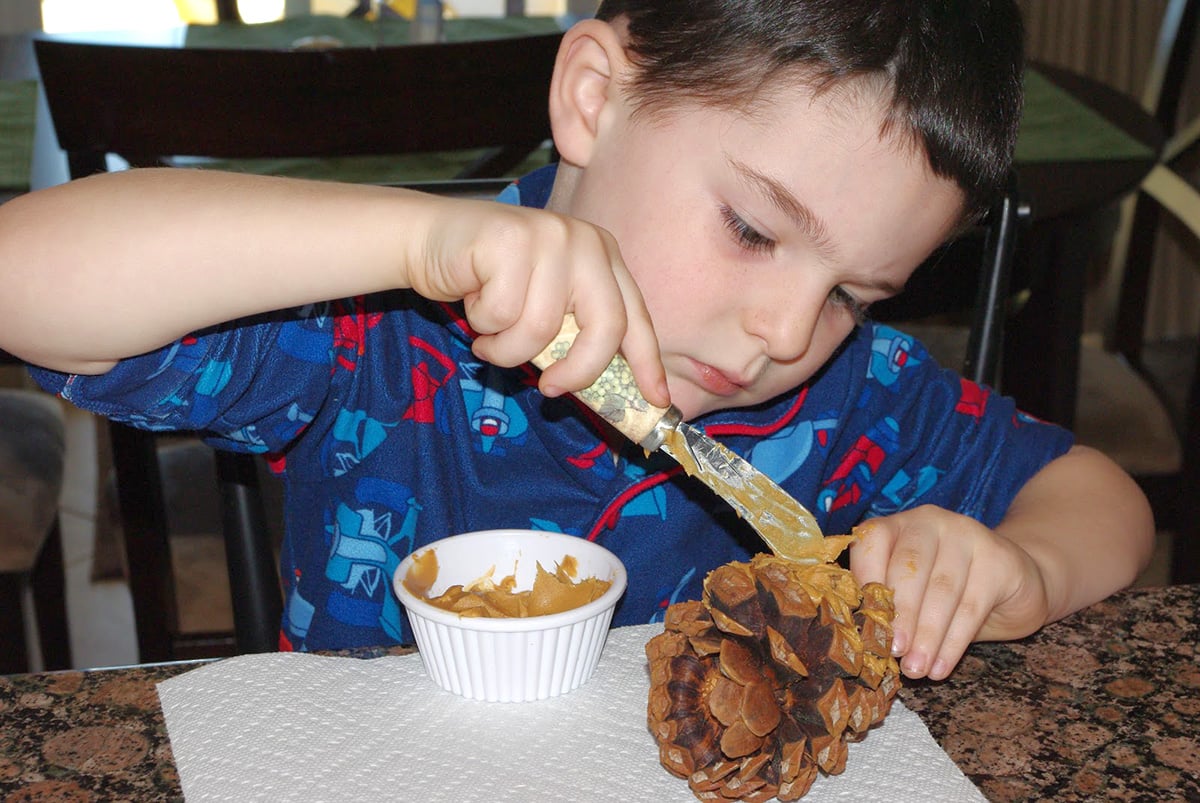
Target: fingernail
point(913, 665)
point(939, 670)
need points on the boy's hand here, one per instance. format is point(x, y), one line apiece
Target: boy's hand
point(955, 581)
point(519, 271)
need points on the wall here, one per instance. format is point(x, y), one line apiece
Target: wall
point(18, 16)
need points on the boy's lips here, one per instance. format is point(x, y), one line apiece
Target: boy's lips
point(715, 381)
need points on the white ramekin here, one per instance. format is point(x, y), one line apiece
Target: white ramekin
point(511, 659)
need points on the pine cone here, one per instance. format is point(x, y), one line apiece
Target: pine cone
point(770, 677)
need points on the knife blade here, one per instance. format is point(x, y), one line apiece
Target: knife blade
point(786, 526)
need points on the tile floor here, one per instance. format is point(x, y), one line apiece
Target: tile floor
point(100, 613)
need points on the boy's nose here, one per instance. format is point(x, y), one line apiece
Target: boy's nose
point(786, 326)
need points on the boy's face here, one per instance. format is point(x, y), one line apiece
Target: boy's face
point(757, 239)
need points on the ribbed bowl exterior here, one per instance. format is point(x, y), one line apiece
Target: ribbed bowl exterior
point(511, 667)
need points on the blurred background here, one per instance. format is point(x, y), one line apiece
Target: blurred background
point(83, 15)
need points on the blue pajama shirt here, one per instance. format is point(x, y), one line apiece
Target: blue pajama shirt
point(390, 434)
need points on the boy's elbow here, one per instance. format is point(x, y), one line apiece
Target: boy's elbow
point(1135, 525)
point(1144, 538)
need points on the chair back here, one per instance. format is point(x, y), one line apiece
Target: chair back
point(1135, 248)
point(149, 103)
point(1169, 370)
point(969, 278)
point(228, 11)
point(32, 455)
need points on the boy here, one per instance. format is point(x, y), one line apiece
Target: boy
point(768, 169)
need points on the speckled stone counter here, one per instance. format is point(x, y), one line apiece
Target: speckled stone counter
point(1104, 705)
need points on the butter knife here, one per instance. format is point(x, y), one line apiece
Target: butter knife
point(786, 526)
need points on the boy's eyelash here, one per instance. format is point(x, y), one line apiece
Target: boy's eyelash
point(752, 240)
point(841, 298)
point(749, 237)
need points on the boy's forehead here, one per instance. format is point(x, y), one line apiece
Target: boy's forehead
point(865, 101)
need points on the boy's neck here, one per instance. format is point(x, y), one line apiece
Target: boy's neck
point(565, 180)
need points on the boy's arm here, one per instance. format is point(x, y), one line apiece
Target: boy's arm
point(1079, 530)
point(1088, 527)
point(119, 264)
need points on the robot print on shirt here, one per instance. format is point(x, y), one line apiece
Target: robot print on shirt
point(351, 320)
point(209, 378)
point(368, 539)
point(668, 595)
point(891, 353)
point(785, 451)
point(355, 435)
point(855, 475)
point(497, 421)
point(427, 378)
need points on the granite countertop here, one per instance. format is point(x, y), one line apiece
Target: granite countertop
point(1104, 705)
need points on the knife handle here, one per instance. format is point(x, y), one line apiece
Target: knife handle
point(614, 396)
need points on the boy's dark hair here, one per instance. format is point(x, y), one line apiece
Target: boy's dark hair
point(955, 65)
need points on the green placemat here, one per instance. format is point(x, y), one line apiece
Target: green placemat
point(356, 32)
point(1057, 127)
point(18, 107)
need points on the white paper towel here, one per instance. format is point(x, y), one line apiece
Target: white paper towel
point(288, 726)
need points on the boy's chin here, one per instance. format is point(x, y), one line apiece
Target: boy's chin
point(692, 408)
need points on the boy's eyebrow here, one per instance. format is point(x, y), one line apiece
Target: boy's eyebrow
point(800, 214)
point(782, 199)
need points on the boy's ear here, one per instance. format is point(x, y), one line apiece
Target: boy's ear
point(590, 61)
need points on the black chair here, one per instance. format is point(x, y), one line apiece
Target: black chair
point(228, 11)
point(149, 104)
point(1153, 388)
point(957, 301)
point(32, 453)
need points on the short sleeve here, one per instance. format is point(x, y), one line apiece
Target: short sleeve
point(250, 385)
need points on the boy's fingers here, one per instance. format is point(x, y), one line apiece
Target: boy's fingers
point(939, 608)
point(598, 340)
point(908, 575)
point(869, 556)
point(958, 637)
point(640, 345)
point(881, 557)
point(499, 303)
point(646, 364)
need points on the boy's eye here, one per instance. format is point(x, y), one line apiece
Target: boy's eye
point(746, 235)
point(839, 297)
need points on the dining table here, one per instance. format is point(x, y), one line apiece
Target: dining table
point(1101, 705)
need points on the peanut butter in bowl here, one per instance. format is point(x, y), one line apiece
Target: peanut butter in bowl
point(552, 592)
